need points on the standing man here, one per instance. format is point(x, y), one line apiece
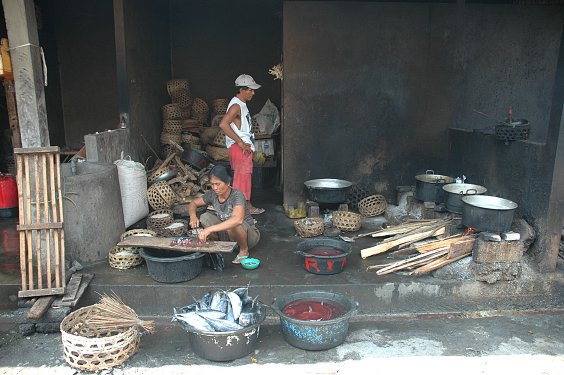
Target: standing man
point(236, 124)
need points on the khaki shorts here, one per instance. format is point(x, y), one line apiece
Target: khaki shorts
point(253, 235)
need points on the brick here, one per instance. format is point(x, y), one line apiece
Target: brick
point(489, 236)
point(510, 236)
point(493, 252)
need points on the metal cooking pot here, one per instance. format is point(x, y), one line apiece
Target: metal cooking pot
point(453, 194)
point(428, 186)
point(195, 158)
point(487, 213)
point(328, 190)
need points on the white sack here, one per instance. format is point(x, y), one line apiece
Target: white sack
point(133, 186)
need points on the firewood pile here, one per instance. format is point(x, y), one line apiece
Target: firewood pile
point(423, 245)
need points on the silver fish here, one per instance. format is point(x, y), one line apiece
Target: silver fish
point(229, 316)
point(205, 301)
point(243, 293)
point(223, 325)
point(208, 313)
point(194, 321)
point(236, 304)
point(249, 314)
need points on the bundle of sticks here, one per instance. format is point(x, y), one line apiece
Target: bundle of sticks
point(111, 314)
point(431, 255)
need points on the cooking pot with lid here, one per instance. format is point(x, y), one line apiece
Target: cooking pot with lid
point(428, 186)
point(453, 194)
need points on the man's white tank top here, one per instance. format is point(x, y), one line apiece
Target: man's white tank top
point(245, 132)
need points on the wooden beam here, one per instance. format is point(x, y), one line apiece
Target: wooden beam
point(40, 307)
point(165, 244)
point(385, 246)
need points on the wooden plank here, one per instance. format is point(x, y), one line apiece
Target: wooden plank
point(40, 292)
point(46, 218)
point(36, 150)
point(462, 247)
point(27, 219)
point(436, 265)
point(85, 281)
point(428, 246)
point(165, 243)
point(40, 307)
point(55, 218)
point(40, 226)
point(385, 246)
point(60, 247)
point(72, 287)
point(39, 263)
point(23, 252)
point(416, 260)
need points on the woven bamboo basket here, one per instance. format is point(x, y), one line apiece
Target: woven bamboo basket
point(172, 112)
point(201, 118)
point(217, 153)
point(163, 167)
point(199, 105)
point(216, 120)
point(219, 106)
point(190, 125)
point(160, 195)
point(347, 221)
point(178, 227)
point(183, 98)
point(159, 219)
point(175, 85)
point(139, 233)
point(167, 150)
point(90, 349)
point(188, 137)
point(309, 226)
point(372, 205)
point(172, 126)
point(124, 257)
point(219, 139)
point(255, 127)
point(168, 138)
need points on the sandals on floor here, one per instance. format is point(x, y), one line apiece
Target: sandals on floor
point(256, 211)
point(239, 258)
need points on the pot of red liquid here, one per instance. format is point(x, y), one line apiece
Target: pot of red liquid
point(324, 256)
point(315, 320)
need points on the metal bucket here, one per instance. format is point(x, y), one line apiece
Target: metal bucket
point(315, 335)
point(227, 346)
point(428, 186)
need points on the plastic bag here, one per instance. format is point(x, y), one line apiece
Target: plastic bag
point(133, 186)
point(268, 118)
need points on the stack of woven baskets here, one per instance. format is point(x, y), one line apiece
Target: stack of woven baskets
point(125, 257)
point(200, 111)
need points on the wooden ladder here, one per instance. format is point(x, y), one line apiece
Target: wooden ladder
point(42, 247)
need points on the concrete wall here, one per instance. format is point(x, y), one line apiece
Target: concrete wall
point(212, 42)
point(84, 31)
point(371, 89)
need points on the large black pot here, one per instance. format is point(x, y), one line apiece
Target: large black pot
point(453, 194)
point(328, 190)
point(429, 186)
point(195, 158)
point(487, 213)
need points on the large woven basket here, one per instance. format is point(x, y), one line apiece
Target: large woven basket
point(217, 153)
point(200, 117)
point(372, 205)
point(159, 219)
point(347, 221)
point(219, 139)
point(169, 138)
point(160, 195)
point(175, 85)
point(172, 112)
point(255, 127)
point(219, 106)
point(190, 125)
point(183, 98)
point(124, 257)
point(167, 149)
point(90, 349)
point(178, 227)
point(138, 232)
point(200, 106)
point(309, 226)
point(172, 126)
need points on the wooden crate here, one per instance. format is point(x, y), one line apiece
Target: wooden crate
point(42, 247)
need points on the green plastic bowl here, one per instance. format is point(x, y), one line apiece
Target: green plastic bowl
point(250, 263)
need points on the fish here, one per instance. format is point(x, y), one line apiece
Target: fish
point(194, 321)
point(219, 302)
point(249, 315)
point(205, 302)
point(243, 293)
point(208, 313)
point(223, 325)
point(236, 304)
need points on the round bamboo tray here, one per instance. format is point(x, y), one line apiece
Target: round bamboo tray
point(372, 205)
point(90, 349)
point(178, 227)
point(309, 226)
point(159, 219)
point(347, 221)
point(160, 195)
point(124, 257)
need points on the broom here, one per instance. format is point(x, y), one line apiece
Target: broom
point(111, 314)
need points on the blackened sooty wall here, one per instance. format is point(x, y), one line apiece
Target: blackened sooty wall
point(371, 89)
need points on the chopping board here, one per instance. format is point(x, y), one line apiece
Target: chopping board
point(165, 244)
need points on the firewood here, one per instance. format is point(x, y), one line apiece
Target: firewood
point(436, 265)
point(413, 261)
point(423, 248)
point(462, 247)
point(385, 246)
point(400, 229)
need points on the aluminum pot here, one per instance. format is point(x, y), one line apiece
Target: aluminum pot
point(195, 158)
point(487, 213)
point(328, 190)
point(428, 186)
point(453, 194)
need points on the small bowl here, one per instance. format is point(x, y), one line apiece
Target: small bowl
point(250, 263)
